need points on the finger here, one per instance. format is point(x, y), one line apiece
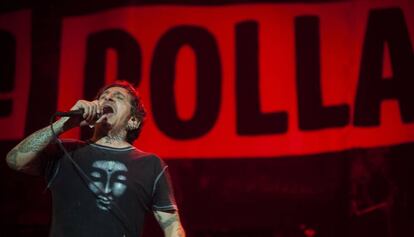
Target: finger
point(98, 107)
point(86, 112)
point(83, 123)
point(102, 119)
point(98, 110)
point(92, 112)
point(95, 111)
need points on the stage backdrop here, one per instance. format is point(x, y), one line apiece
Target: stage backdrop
point(323, 86)
point(251, 80)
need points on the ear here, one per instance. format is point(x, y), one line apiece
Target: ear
point(133, 123)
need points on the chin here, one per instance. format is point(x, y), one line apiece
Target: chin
point(104, 127)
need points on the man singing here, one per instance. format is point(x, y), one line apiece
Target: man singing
point(103, 186)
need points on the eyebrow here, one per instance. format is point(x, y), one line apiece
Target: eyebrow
point(115, 93)
point(119, 93)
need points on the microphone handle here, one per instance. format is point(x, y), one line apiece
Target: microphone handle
point(72, 113)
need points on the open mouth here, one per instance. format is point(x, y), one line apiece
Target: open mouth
point(107, 109)
point(104, 202)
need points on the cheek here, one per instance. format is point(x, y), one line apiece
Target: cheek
point(95, 185)
point(118, 188)
point(123, 112)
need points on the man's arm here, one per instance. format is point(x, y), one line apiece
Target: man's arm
point(25, 156)
point(170, 223)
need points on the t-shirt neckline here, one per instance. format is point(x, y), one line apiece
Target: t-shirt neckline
point(128, 148)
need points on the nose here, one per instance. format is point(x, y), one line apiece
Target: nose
point(108, 97)
point(108, 188)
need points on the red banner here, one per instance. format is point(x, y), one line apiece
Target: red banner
point(254, 80)
point(15, 80)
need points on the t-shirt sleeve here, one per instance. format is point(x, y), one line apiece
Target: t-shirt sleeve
point(163, 195)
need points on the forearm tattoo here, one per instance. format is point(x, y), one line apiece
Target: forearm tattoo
point(36, 141)
point(167, 222)
point(171, 225)
point(12, 158)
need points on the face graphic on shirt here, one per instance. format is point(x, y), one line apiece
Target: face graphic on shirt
point(110, 178)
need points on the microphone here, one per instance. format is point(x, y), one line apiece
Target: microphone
point(72, 113)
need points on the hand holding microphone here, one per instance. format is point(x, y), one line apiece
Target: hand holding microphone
point(83, 113)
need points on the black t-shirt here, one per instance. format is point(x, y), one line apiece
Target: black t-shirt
point(122, 185)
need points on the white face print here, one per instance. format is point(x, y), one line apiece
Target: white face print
point(110, 177)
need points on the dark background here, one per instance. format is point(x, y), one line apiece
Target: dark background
point(352, 193)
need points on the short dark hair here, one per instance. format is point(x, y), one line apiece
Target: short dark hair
point(137, 107)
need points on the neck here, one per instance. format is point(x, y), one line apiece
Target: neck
point(111, 142)
point(110, 139)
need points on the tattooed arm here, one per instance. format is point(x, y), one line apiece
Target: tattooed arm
point(25, 156)
point(170, 223)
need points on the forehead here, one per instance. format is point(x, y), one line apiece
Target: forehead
point(109, 165)
point(116, 90)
